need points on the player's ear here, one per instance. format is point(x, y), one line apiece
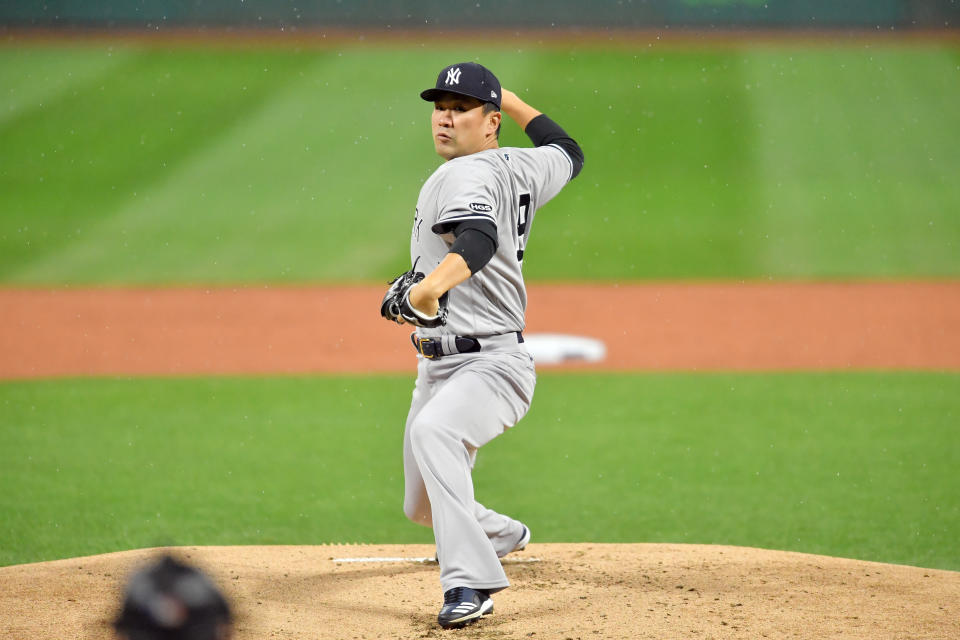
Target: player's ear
point(493, 122)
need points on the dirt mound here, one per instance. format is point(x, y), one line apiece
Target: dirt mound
point(559, 591)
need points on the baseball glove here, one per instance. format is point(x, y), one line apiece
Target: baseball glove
point(396, 303)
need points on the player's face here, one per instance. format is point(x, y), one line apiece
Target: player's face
point(460, 127)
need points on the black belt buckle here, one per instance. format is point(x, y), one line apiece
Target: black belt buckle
point(425, 346)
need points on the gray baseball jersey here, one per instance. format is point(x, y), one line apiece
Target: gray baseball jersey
point(505, 186)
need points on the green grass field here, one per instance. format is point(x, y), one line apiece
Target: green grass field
point(125, 164)
point(139, 165)
point(853, 465)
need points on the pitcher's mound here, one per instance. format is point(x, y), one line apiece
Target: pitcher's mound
point(560, 591)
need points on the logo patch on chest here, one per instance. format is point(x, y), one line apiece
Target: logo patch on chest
point(478, 206)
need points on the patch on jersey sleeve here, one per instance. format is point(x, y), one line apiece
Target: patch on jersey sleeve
point(479, 206)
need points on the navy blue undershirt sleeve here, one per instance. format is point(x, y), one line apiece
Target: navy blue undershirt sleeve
point(543, 131)
point(476, 242)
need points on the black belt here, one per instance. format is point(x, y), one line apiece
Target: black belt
point(439, 346)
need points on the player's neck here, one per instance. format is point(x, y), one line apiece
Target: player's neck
point(491, 143)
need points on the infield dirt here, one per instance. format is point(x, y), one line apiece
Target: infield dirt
point(572, 592)
point(337, 329)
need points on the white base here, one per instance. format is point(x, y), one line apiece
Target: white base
point(555, 348)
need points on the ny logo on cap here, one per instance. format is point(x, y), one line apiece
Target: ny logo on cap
point(453, 76)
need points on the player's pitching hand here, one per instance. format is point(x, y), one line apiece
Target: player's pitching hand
point(422, 301)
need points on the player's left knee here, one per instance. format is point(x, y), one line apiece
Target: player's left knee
point(418, 511)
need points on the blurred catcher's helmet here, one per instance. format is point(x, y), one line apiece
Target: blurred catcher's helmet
point(169, 600)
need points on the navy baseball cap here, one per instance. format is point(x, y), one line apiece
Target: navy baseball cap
point(466, 79)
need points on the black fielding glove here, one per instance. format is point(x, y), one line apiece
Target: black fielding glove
point(396, 306)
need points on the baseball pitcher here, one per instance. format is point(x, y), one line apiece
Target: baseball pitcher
point(466, 297)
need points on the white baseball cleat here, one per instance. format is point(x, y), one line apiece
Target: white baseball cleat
point(522, 543)
point(524, 539)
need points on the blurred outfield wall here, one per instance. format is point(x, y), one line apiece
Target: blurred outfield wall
point(400, 14)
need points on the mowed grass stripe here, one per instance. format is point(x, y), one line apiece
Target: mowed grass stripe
point(220, 238)
point(669, 169)
point(81, 158)
point(32, 76)
point(858, 465)
point(857, 160)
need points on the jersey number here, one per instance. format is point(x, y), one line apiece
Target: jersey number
point(522, 224)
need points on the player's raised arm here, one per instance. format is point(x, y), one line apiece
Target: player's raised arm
point(540, 129)
point(518, 110)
